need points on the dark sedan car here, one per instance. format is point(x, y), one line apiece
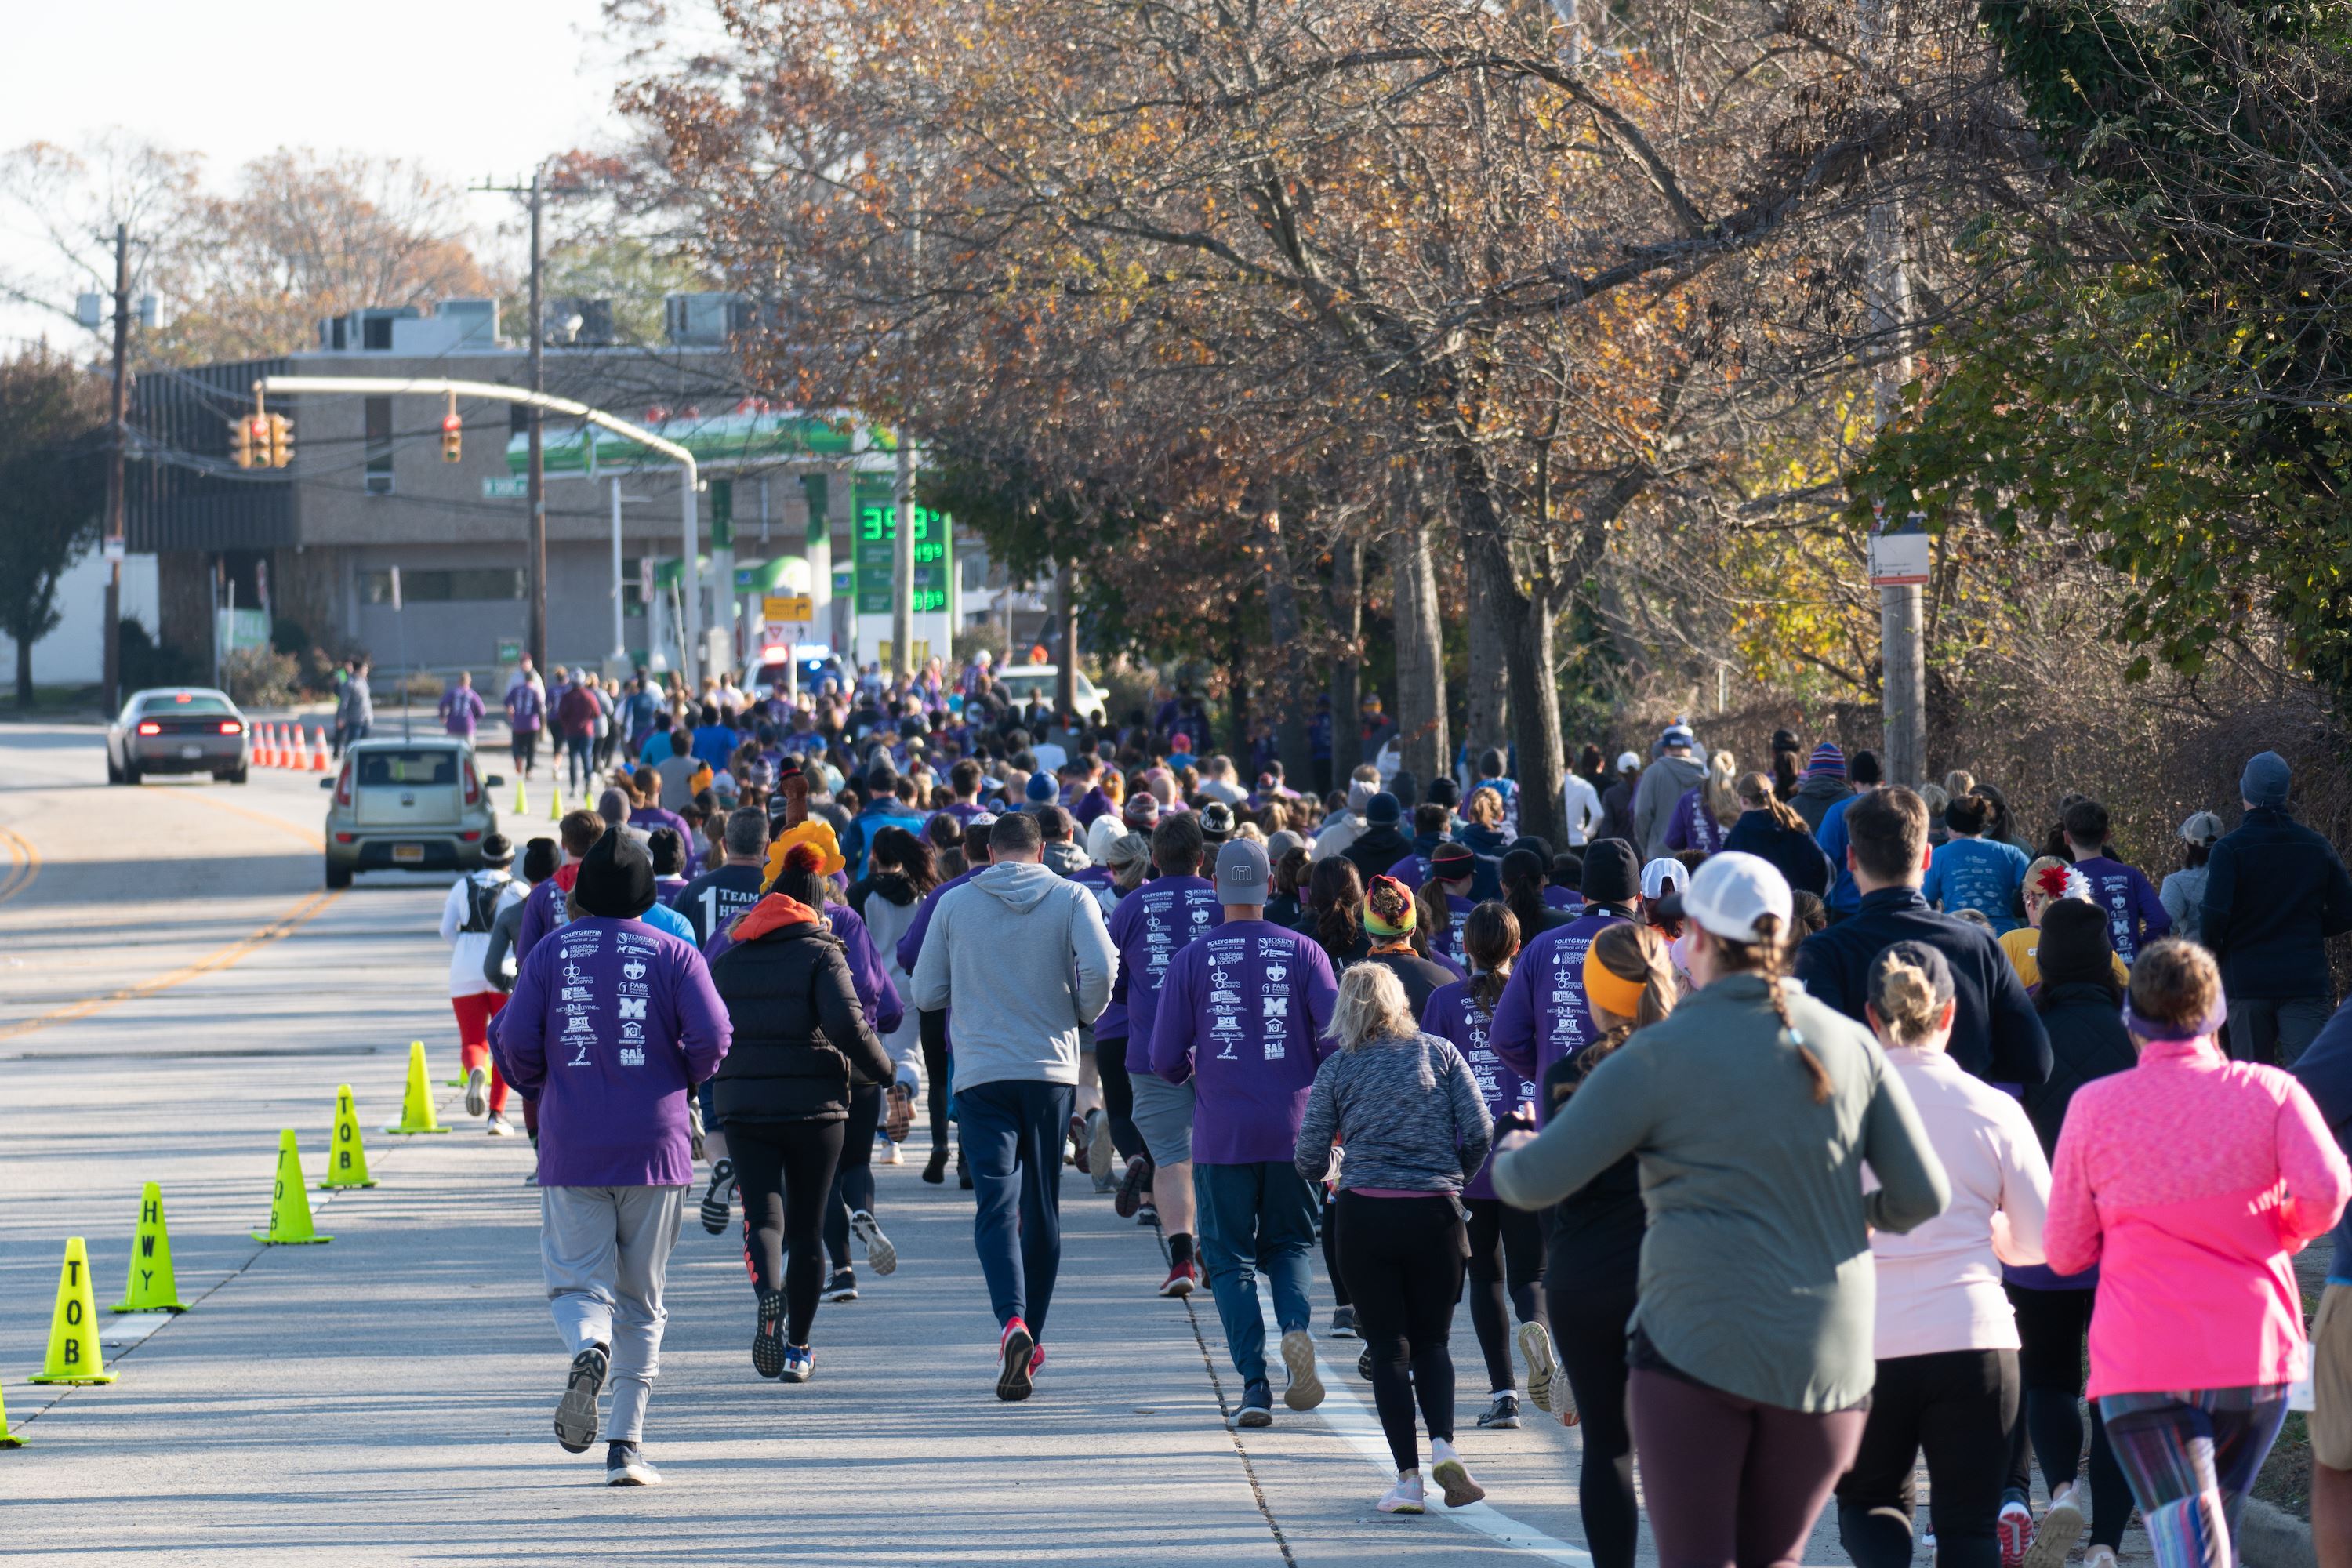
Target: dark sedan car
point(177, 730)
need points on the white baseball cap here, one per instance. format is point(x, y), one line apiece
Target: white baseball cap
point(1663, 875)
point(1627, 763)
point(1729, 893)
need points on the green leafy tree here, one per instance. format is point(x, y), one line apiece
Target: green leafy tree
point(52, 486)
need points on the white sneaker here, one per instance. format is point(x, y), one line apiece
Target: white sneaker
point(2099, 1557)
point(1445, 1467)
point(894, 1155)
point(2061, 1527)
point(1545, 1383)
point(1405, 1496)
point(478, 1091)
point(878, 1250)
point(499, 1127)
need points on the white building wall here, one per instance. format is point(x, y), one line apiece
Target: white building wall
point(73, 654)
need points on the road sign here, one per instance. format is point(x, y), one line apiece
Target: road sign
point(511, 650)
point(787, 609)
point(503, 488)
point(110, 549)
point(1898, 559)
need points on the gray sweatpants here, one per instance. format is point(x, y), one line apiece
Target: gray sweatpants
point(605, 1253)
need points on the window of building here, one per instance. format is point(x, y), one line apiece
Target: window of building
point(633, 601)
point(470, 585)
point(379, 443)
point(517, 419)
point(375, 333)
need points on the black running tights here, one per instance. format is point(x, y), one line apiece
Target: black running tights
point(1588, 1329)
point(784, 1171)
point(1119, 1098)
point(853, 1181)
point(937, 1084)
point(1505, 1253)
point(1403, 1257)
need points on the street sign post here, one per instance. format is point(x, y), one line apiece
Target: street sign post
point(503, 488)
point(1898, 559)
point(787, 609)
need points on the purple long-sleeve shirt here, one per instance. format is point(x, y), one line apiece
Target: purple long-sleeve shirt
point(611, 1025)
point(877, 997)
point(1691, 826)
point(2136, 915)
point(1453, 1014)
point(1242, 1012)
point(1150, 927)
point(542, 910)
point(1543, 1016)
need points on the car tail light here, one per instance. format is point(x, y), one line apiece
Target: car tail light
point(470, 837)
point(148, 727)
point(345, 838)
point(343, 788)
point(231, 727)
point(473, 786)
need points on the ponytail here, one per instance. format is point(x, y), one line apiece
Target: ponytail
point(1756, 790)
point(1766, 957)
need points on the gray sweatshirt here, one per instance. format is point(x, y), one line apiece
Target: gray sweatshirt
point(1664, 782)
point(1023, 957)
point(1408, 1110)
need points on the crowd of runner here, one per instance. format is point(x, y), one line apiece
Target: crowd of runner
point(1782, 1126)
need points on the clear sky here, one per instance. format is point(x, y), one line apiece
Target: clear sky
point(463, 88)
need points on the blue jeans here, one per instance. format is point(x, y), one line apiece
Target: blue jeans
point(1012, 1131)
point(1255, 1217)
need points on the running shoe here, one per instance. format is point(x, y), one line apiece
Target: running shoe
point(935, 1169)
point(1503, 1414)
point(575, 1413)
point(878, 1250)
point(1146, 1213)
point(625, 1466)
point(892, 1156)
point(1364, 1364)
point(768, 1335)
point(799, 1365)
point(499, 1127)
point(1545, 1383)
point(2060, 1528)
point(2014, 1530)
point(2099, 1557)
point(1102, 1155)
point(1131, 1187)
point(1305, 1390)
point(1258, 1405)
point(841, 1287)
point(1343, 1323)
point(1036, 1361)
point(478, 1091)
point(1405, 1496)
point(721, 1198)
point(1182, 1280)
point(1014, 1350)
point(1081, 1146)
point(1446, 1468)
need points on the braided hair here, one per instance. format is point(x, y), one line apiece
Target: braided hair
point(1767, 957)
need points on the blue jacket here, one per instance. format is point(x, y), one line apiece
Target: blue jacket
point(1843, 895)
point(2325, 1070)
point(2273, 893)
point(1996, 1034)
point(1793, 850)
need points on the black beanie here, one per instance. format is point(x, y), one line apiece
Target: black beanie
point(1612, 874)
point(616, 878)
point(2074, 944)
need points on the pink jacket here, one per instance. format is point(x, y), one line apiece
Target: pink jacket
point(2191, 1181)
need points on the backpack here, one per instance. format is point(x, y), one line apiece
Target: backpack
point(482, 904)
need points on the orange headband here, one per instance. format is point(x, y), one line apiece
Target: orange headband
point(1606, 988)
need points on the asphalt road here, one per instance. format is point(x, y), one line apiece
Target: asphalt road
point(175, 986)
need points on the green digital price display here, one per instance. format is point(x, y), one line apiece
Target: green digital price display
point(877, 538)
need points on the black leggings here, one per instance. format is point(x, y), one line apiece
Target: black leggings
point(1404, 1273)
point(1511, 1237)
point(1339, 1296)
point(1588, 1329)
point(1118, 1096)
point(784, 1171)
point(853, 1180)
point(2051, 1328)
point(1959, 1407)
point(937, 1084)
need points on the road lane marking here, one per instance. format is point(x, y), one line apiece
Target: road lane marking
point(283, 926)
point(24, 864)
point(1345, 1415)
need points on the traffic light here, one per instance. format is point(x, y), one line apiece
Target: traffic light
point(240, 442)
point(453, 432)
point(282, 440)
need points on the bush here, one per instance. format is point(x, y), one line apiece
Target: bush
point(258, 677)
point(144, 663)
point(422, 686)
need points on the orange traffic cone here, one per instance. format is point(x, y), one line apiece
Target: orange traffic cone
point(261, 745)
point(300, 761)
point(278, 746)
point(319, 756)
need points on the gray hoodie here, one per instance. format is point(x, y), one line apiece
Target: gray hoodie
point(1065, 859)
point(1664, 782)
point(1344, 828)
point(1023, 957)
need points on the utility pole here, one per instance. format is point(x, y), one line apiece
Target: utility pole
point(1887, 288)
point(902, 562)
point(110, 636)
point(537, 481)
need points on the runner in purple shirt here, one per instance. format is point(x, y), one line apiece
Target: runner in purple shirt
point(2136, 915)
point(1542, 1016)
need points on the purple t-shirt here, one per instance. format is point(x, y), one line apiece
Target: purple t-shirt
point(611, 1025)
point(1543, 1016)
point(1453, 1014)
point(1242, 1012)
point(461, 710)
point(1150, 927)
point(2136, 916)
point(1690, 826)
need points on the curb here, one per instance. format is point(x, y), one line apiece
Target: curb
point(2270, 1538)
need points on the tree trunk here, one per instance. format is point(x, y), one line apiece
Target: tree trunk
point(25, 676)
point(1066, 623)
point(1348, 626)
point(1237, 702)
point(1420, 653)
point(1287, 665)
point(1488, 717)
point(1522, 614)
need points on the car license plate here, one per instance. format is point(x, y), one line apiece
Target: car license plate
point(408, 854)
point(192, 753)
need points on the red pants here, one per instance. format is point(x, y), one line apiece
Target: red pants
point(474, 1016)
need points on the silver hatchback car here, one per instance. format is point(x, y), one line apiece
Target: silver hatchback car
point(407, 806)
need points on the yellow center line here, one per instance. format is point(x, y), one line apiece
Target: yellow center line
point(24, 864)
point(283, 926)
